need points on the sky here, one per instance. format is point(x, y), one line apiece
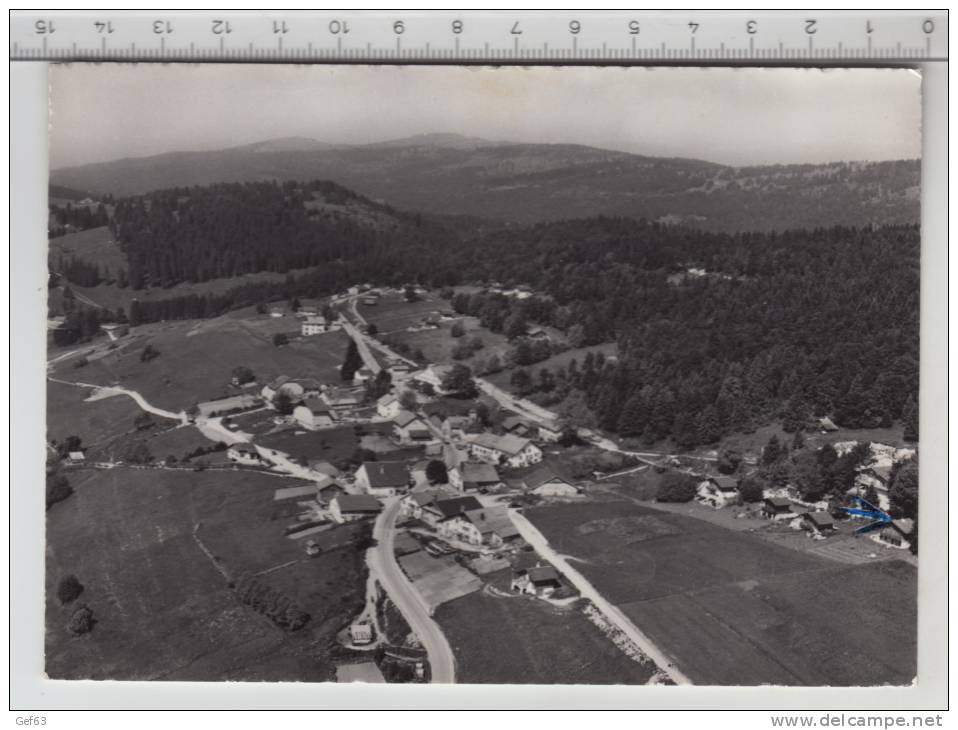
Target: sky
point(725, 115)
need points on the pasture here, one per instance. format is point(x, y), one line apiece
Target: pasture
point(94, 245)
point(97, 423)
point(560, 360)
point(733, 608)
point(197, 359)
point(523, 640)
point(438, 579)
point(393, 313)
point(163, 607)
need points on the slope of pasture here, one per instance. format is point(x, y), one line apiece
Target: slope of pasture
point(394, 313)
point(437, 344)
point(197, 358)
point(163, 609)
point(97, 423)
point(94, 245)
point(523, 640)
point(732, 608)
point(502, 379)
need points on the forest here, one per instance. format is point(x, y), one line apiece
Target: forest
point(771, 326)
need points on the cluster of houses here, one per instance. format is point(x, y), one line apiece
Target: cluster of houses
point(461, 518)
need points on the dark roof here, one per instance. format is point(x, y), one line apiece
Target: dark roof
point(244, 449)
point(726, 484)
point(820, 519)
point(479, 473)
point(315, 405)
point(778, 501)
point(454, 506)
point(542, 474)
point(386, 473)
point(358, 503)
point(544, 574)
point(404, 418)
point(511, 422)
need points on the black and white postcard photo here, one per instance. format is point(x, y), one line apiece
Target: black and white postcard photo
point(476, 375)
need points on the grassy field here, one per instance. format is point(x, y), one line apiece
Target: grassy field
point(94, 245)
point(522, 640)
point(733, 608)
point(197, 358)
point(393, 312)
point(163, 609)
point(97, 423)
point(502, 379)
point(753, 443)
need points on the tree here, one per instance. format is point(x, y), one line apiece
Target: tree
point(772, 451)
point(407, 399)
point(457, 329)
point(280, 339)
point(283, 403)
point(752, 489)
point(903, 488)
point(377, 387)
point(58, 489)
point(806, 474)
point(409, 294)
point(909, 417)
point(729, 460)
point(149, 353)
point(143, 421)
point(352, 362)
point(676, 487)
point(521, 382)
point(69, 588)
point(243, 375)
point(82, 621)
point(436, 472)
point(458, 382)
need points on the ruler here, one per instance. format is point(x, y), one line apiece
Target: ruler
point(563, 37)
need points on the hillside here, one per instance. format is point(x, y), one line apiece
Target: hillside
point(529, 183)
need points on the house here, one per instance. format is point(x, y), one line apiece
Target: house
point(313, 413)
point(827, 424)
point(388, 406)
point(898, 533)
point(370, 300)
point(458, 426)
point(535, 332)
point(361, 633)
point(486, 526)
point(314, 326)
point(327, 491)
point(515, 426)
point(277, 310)
point(546, 482)
point(411, 505)
point(440, 510)
point(510, 450)
point(340, 400)
point(76, 457)
point(352, 507)
point(399, 367)
point(244, 454)
point(283, 382)
point(550, 430)
point(453, 455)
point(322, 466)
point(409, 428)
point(383, 478)
point(224, 406)
point(115, 330)
point(300, 494)
point(471, 475)
point(541, 580)
point(434, 450)
point(718, 491)
point(418, 473)
point(776, 507)
point(818, 523)
point(363, 375)
point(309, 308)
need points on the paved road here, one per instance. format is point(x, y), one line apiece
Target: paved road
point(105, 391)
point(618, 619)
point(382, 562)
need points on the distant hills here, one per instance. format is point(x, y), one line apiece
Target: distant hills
point(528, 183)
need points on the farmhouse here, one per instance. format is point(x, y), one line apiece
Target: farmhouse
point(776, 507)
point(718, 491)
point(313, 413)
point(491, 527)
point(511, 450)
point(314, 326)
point(361, 633)
point(818, 523)
point(472, 475)
point(76, 457)
point(383, 478)
point(434, 376)
point(550, 430)
point(370, 301)
point(440, 510)
point(327, 491)
point(409, 428)
point(411, 505)
point(225, 406)
point(542, 580)
point(827, 424)
point(321, 466)
point(898, 533)
point(388, 406)
point(363, 375)
point(352, 507)
point(544, 481)
point(515, 426)
point(340, 400)
point(293, 388)
point(244, 454)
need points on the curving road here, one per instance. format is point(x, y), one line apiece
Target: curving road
point(382, 562)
